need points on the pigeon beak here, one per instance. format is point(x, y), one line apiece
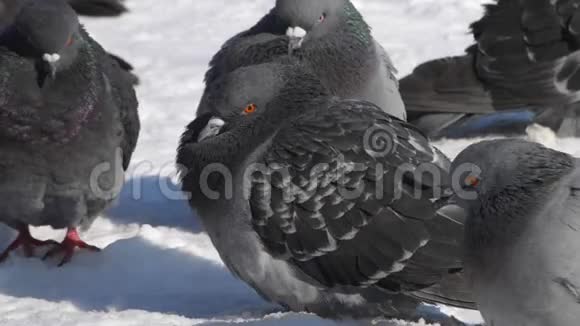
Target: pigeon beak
point(48, 67)
point(213, 128)
point(52, 61)
point(296, 35)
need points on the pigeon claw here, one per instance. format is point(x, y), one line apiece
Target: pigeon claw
point(68, 246)
point(27, 242)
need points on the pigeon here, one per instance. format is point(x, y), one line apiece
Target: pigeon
point(321, 204)
point(68, 126)
point(331, 38)
point(522, 231)
point(521, 71)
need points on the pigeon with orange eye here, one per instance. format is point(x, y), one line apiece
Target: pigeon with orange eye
point(521, 243)
point(295, 209)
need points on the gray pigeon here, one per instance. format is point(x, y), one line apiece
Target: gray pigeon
point(320, 204)
point(331, 38)
point(522, 232)
point(522, 70)
point(68, 125)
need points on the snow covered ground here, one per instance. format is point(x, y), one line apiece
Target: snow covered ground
point(157, 266)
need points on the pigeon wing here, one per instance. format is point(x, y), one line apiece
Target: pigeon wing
point(447, 85)
point(529, 50)
point(340, 196)
point(127, 67)
point(123, 93)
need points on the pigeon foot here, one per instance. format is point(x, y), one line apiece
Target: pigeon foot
point(68, 245)
point(27, 242)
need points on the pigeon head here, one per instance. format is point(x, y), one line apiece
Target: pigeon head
point(242, 111)
point(268, 91)
point(242, 90)
point(501, 181)
point(315, 20)
point(47, 31)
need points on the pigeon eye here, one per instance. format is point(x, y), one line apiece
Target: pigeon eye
point(472, 181)
point(251, 108)
point(322, 18)
point(69, 41)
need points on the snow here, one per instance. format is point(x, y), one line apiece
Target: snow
point(157, 266)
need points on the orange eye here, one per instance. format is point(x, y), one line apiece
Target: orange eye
point(251, 108)
point(472, 181)
point(69, 41)
point(321, 18)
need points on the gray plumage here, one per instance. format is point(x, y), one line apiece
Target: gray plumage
point(338, 48)
point(8, 11)
point(264, 42)
point(525, 57)
point(95, 8)
point(67, 111)
point(522, 232)
point(298, 231)
point(105, 8)
point(98, 8)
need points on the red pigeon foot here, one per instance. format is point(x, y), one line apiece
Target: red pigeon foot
point(27, 242)
point(68, 246)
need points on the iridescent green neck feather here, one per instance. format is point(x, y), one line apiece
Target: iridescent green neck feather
point(356, 24)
